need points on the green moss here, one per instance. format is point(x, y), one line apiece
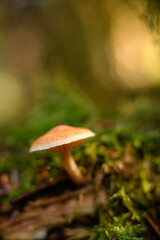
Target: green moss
point(118, 232)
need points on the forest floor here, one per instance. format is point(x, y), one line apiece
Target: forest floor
point(122, 198)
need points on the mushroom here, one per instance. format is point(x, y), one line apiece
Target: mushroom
point(63, 139)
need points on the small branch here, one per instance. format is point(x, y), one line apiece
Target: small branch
point(153, 225)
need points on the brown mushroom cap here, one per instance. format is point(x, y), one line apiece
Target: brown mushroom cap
point(61, 136)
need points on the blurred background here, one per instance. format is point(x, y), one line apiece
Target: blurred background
point(93, 64)
point(107, 50)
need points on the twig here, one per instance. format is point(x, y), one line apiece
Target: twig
point(153, 225)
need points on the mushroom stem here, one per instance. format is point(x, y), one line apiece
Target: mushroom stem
point(71, 167)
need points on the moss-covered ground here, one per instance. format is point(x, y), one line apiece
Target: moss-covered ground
point(126, 146)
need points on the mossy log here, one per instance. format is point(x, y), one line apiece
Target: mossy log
point(64, 216)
